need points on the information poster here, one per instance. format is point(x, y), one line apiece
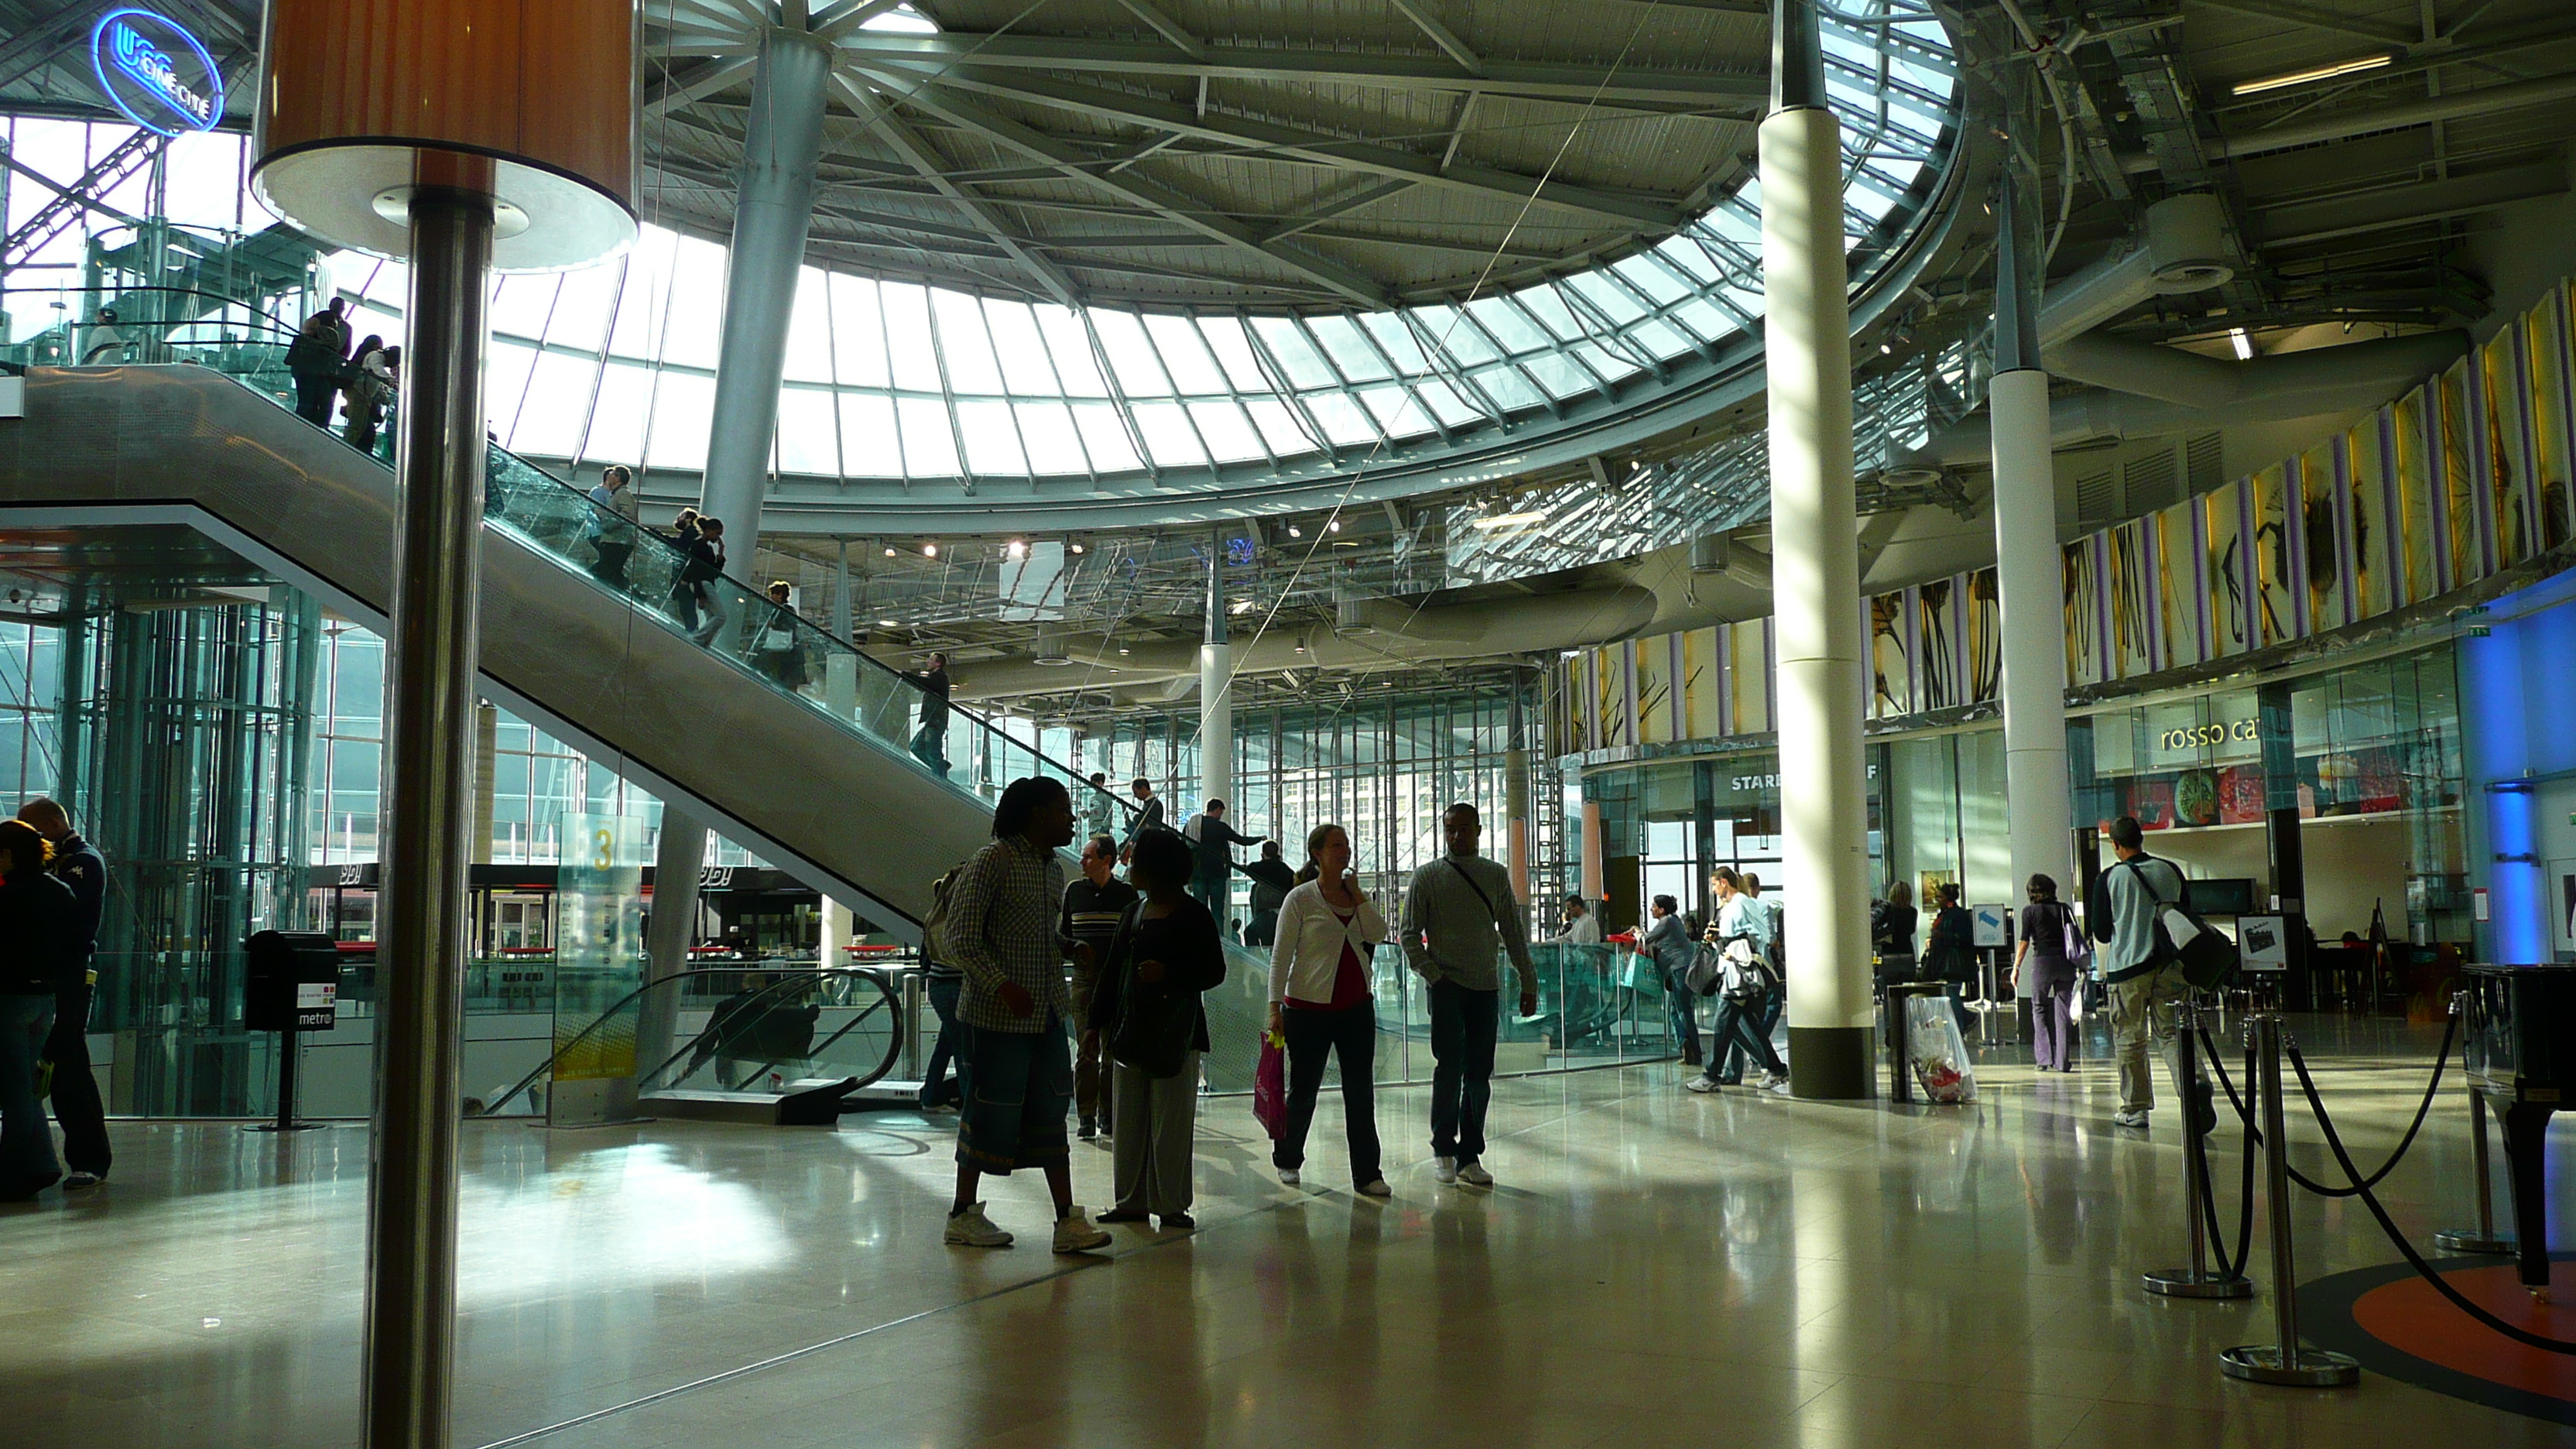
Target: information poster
point(599, 963)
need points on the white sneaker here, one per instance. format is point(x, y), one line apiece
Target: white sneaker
point(971, 1229)
point(2129, 1119)
point(1376, 1187)
point(1474, 1175)
point(1444, 1169)
point(1287, 1177)
point(1777, 1082)
point(1698, 1083)
point(1075, 1234)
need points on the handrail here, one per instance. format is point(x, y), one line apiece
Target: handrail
point(876, 974)
point(493, 1108)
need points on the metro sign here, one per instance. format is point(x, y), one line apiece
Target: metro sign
point(156, 73)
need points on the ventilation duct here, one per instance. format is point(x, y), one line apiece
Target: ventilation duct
point(2184, 248)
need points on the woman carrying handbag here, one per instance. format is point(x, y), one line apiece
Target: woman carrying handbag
point(1321, 1001)
point(1165, 957)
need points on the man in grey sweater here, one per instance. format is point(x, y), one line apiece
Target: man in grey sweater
point(1458, 915)
point(2144, 985)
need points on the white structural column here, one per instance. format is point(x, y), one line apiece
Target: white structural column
point(773, 211)
point(1815, 573)
point(2033, 600)
point(1216, 694)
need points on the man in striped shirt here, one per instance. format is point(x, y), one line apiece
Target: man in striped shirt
point(1093, 906)
point(1017, 1075)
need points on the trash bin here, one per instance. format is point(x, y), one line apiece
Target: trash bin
point(1900, 1067)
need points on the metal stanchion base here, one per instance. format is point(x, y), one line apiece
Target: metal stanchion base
point(2306, 1368)
point(2473, 1240)
point(2184, 1283)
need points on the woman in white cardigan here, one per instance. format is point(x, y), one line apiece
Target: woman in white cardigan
point(1321, 1000)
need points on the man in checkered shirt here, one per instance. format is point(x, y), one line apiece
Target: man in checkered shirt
point(1013, 1066)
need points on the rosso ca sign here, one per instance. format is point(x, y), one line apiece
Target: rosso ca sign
point(2199, 737)
point(156, 72)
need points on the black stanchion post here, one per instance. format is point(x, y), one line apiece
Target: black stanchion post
point(2197, 1280)
point(2483, 1238)
point(2286, 1362)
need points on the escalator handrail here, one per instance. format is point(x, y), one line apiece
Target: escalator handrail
point(885, 997)
point(493, 1107)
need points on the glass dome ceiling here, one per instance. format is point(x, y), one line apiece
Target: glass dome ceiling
point(903, 395)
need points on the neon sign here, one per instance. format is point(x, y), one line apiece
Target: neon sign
point(156, 73)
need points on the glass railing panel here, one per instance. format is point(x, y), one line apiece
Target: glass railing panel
point(777, 1031)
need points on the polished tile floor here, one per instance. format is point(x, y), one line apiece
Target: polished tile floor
point(1654, 1268)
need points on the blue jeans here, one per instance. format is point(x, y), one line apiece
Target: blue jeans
point(1682, 1007)
point(1463, 1023)
point(943, 992)
point(26, 1138)
point(1763, 1026)
point(1735, 1030)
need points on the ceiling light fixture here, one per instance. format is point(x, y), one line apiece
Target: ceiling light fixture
point(889, 553)
point(1076, 548)
point(1507, 520)
point(888, 624)
point(1016, 549)
point(2313, 73)
point(930, 550)
point(1241, 606)
point(1295, 532)
point(2243, 344)
point(1332, 525)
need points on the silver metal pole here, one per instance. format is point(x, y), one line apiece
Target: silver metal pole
point(2195, 1281)
point(2284, 1362)
point(429, 714)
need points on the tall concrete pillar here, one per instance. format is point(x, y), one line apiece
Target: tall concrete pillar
point(1815, 572)
point(773, 210)
point(1216, 694)
point(2032, 594)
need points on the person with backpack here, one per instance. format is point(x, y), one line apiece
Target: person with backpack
point(1459, 918)
point(1741, 934)
point(1214, 841)
point(2053, 953)
point(998, 926)
point(1166, 957)
point(317, 359)
point(702, 575)
point(611, 543)
point(941, 983)
point(2138, 966)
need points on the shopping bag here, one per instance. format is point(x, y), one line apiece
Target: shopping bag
point(1938, 1053)
point(1642, 973)
point(1270, 1085)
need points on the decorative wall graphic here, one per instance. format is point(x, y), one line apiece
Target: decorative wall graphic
point(2178, 591)
point(1654, 690)
point(1937, 645)
point(2132, 597)
point(1985, 630)
point(2506, 412)
point(2374, 542)
point(2553, 411)
point(2408, 428)
point(1890, 682)
point(2455, 478)
point(2083, 580)
point(2230, 587)
point(2322, 553)
point(2275, 607)
point(1703, 685)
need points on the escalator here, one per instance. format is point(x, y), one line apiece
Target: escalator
point(800, 754)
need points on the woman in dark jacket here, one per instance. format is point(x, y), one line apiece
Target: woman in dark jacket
point(1951, 953)
point(1891, 935)
point(2046, 924)
point(36, 967)
point(1147, 1009)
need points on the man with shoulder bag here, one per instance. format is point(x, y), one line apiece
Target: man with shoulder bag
point(1459, 914)
point(2138, 965)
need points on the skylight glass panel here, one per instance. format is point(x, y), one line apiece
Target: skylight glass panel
point(644, 295)
point(869, 446)
point(1288, 347)
point(580, 317)
point(1396, 340)
point(550, 426)
point(505, 385)
point(1446, 404)
point(1396, 411)
point(908, 344)
point(1350, 352)
point(1023, 350)
point(1611, 365)
point(1507, 387)
point(858, 333)
point(1444, 327)
point(1228, 433)
point(683, 406)
point(1055, 447)
point(929, 445)
point(1225, 337)
point(1552, 313)
point(1344, 425)
point(1123, 338)
point(1168, 436)
point(695, 332)
point(1069, 347)
point(1185, 356)
point(1660, 338)
point(1656, 282)
point(1614, 301)
point(1706, 318)
point(617, 421)
point(963, 346)
point(1508, 325)
point(808, 432)
point(1694, 262)
point(1279, 428)
point(992, 441)
point(520, 303)
point(1105, 438)
point(809, 328)
point(1558, 374)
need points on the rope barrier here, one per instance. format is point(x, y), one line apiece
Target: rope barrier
point(2361, 1188)
point(2450, 1037)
